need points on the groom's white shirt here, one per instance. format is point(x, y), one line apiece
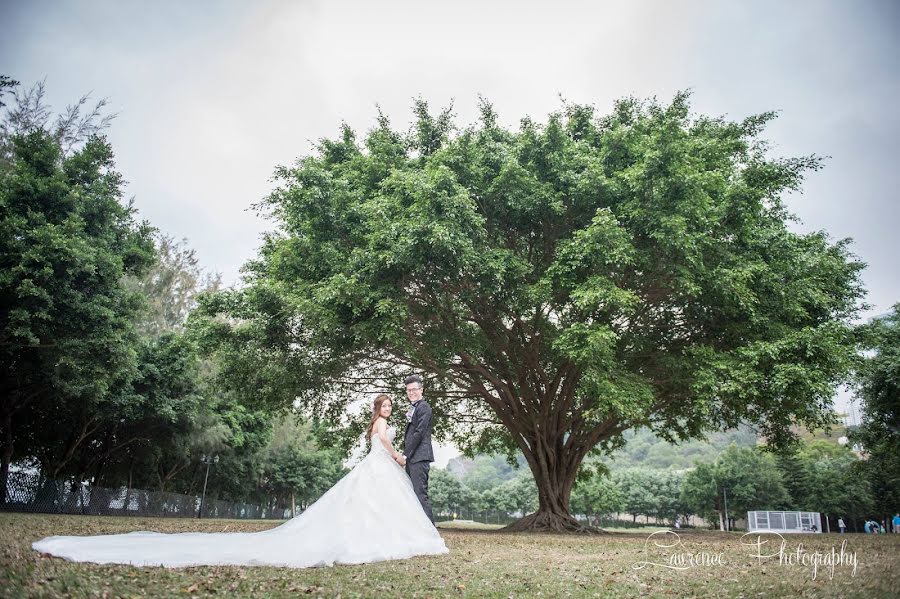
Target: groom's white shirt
point(411, 411)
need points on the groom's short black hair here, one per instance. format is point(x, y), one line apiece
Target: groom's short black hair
point(413, 378)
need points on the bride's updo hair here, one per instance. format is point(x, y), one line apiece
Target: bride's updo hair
point(376, 411)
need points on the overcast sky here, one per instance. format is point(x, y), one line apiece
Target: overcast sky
point(212, 96)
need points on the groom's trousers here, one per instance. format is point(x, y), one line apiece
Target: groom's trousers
point(418, 474)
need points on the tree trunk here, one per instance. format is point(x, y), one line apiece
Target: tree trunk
point(165, 476)
point(544, 421)
point(78, 437)
point(6, 456)
point(127, 503)
point(554, 476)
point(13, 400)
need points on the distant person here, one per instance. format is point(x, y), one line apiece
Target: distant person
point(896, 522)
point(842, 526)
point(868, 527)
point(881, 528)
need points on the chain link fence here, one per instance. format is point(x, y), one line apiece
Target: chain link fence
point(31, 492)
point(504, 518)
point(481, 516)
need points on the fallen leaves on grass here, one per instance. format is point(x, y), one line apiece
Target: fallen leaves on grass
point(480, 564)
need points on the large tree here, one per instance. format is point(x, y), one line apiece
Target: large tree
point(879, 387)
point(296, 470)
point(836, 483)
point(558, 284)
point(66, 240)
point(741, 479)
point(171, 286)
point(597, 495)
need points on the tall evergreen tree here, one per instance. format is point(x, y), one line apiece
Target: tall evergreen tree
point(879, 387)
point(66, 240)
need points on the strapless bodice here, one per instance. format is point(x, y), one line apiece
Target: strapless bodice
point(391, 433)
point(376, 444)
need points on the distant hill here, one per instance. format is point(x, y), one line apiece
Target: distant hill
point(831, 435)
point(484, 471)
point(643, 448)
point(882, 316)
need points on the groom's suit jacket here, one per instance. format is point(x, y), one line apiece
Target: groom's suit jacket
point(417, 438)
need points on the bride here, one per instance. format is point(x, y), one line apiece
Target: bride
point(370, 515)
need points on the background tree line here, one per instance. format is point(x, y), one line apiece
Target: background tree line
point(816, 475)
point(102, 380)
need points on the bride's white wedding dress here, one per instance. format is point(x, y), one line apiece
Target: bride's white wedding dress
point(370, 515)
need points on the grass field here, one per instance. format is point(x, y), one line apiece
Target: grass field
point(481, 563)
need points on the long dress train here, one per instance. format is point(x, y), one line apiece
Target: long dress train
point(372, 514)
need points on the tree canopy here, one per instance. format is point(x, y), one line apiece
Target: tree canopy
point(878, 383)
point(65, 242)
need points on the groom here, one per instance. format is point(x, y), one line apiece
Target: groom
point(417, 454)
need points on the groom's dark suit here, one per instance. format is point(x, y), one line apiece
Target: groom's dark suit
point(418, 452)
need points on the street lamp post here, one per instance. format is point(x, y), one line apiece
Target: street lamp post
point(208, 460)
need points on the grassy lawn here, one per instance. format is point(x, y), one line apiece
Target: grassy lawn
point(481, 563)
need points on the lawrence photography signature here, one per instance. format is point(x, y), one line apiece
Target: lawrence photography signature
point(664, 549)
